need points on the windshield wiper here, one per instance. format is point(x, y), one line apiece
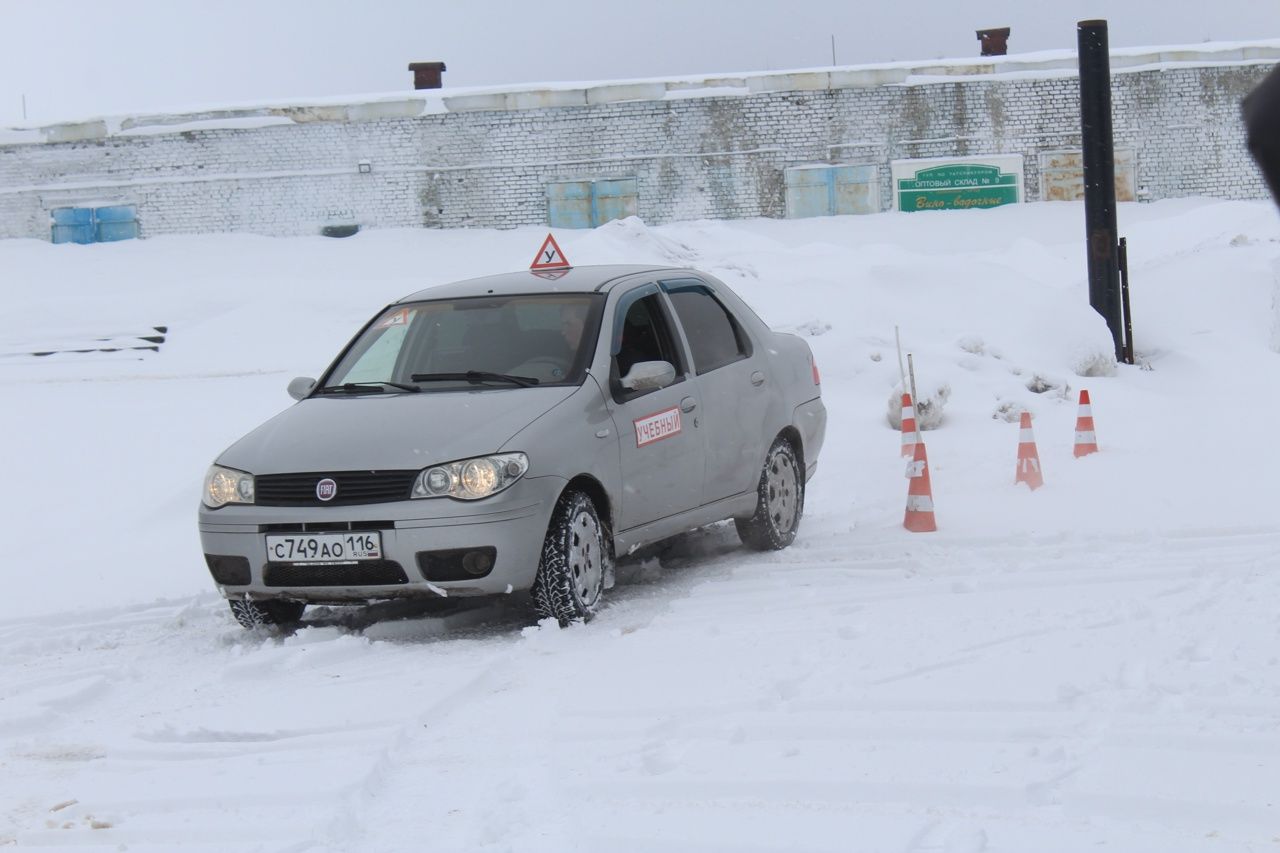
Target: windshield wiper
point(475, 377)
point(360, 387)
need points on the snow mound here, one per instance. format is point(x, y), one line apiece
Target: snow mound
point(1092, 360)
point(929, 408)
point(636, 240)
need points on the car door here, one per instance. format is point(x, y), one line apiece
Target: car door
point(732, 379)
point(660, 442)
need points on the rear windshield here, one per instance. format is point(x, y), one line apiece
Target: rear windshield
point(546, 337)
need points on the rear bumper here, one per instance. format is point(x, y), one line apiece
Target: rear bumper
point(513, 524)
point(811, 420)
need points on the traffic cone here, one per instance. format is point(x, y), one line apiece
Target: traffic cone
point(919, 517)
point(909, 431)
point(1028, 456)
point(1086, 440)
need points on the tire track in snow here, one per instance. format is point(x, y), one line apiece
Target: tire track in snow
point(429, 741)
point(723, 684)
point(395, 756)
point(153, 802)
point(1076, 730)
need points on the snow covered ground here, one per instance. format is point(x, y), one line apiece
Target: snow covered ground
point(1095, 663)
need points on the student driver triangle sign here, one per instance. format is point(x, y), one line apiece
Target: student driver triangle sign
point(549, 257)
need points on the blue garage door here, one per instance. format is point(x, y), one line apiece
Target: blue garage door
point(95, 224)
point(825, 190)
point(588, 203)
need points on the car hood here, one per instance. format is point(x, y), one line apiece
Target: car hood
point(389, 431)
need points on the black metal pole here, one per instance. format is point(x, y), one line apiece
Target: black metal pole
point(1099, 176)
point(1124, 301)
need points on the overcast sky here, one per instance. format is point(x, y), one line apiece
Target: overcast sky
point(83, 58)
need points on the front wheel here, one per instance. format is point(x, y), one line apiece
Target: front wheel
point(256, 614)
point(779, 501)
point(575, 560)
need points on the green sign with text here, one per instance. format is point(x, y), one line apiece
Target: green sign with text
point(957, 186)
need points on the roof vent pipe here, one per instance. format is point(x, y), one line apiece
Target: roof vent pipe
point(426, 75)
point(994, 42)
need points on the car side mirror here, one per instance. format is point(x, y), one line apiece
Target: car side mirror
point(649, 376)
point(300, 387)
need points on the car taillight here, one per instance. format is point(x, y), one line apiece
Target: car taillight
point(817, 380)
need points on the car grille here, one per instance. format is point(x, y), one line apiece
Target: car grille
point(370, 573)
point(324, 526)
point(354, 487)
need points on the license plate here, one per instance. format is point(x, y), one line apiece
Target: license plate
point(324, 547)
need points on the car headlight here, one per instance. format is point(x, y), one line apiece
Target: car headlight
point(224, 486)
point(471, 479)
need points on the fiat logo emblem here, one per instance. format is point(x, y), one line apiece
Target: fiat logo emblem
point(326, 489)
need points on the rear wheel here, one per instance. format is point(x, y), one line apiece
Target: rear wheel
point(779, 501)
point(575, 560)
point(256, 614)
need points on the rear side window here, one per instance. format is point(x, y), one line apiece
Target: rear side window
point(714, 336)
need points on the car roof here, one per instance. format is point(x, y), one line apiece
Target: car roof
point(588, 279)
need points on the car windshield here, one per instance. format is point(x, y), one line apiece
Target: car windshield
point(489, 341)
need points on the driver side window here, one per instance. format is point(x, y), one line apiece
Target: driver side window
point(643, 335)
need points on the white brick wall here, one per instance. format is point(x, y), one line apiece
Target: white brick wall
point(714, 157)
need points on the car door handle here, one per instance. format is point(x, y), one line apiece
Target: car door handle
point(757, 378)
point(688, 404)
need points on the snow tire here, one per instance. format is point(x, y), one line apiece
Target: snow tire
point(779, 501)
point(258, 614)
point(576, 559)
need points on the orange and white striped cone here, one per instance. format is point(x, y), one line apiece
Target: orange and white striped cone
point(1028, 456)
point(919, 517)
point(908, 428)
point(1086, 439)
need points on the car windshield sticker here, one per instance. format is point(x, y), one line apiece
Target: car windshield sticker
point(657, 426)
point(399, 318)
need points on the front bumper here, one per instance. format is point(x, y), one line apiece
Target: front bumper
point(513, 524)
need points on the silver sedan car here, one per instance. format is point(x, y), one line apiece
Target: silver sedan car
point(513, 433)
